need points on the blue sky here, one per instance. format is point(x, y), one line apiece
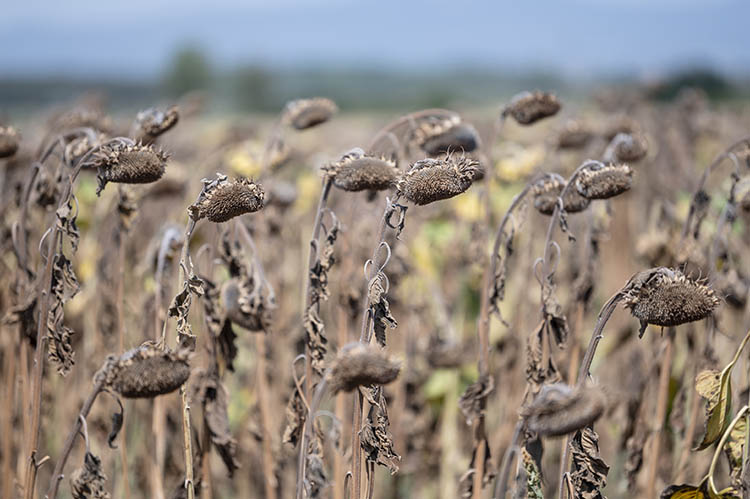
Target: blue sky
point(575, 37)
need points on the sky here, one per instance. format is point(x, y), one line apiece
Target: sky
point(136, 39)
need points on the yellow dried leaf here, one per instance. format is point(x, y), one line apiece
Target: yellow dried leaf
point(718, 403)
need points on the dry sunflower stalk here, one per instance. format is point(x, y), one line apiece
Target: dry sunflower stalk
point(599, 181)
point(221, 199)
point(431, 180)
point(126, 163)
point(666, 297)
point(528, 108)
point(358, 171)
point(358, 365)
point(559, 409)
point(302, 114)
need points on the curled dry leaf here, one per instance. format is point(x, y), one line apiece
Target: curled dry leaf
point(716, 388)
point(377, 441)
point(700, 491)
point(88, 482)
point(213, 398)
point(296, 414)
point(466, 482)
point(589, 475)
point(473, 400)
point(59, 337)
point(380, 309)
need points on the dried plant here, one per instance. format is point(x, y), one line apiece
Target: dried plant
point(431, 180)
point(357, 171)
point(8, 141)
point(529, 107)
point(306, 113)
point(359, 365)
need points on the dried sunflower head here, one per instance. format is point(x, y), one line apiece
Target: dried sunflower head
point(559, 409)
point(222, 199)
point(357, 171)
point(146, 371)
point(302, 114)
point(599, 181)
point(666, 297)
point(445, 136)
point(128, 164)
point(620, 124)
point(528, 108)
point(574, 135)
point(358, 364)
point(630, 147)
point(76, 148)
point(246, 307)
point(547, 190)
point(8, 141)
point(153, 122)
point(431, 180)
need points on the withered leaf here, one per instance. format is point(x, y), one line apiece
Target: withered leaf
point(380, 309)
point(213, 398)
point(589, 474)
point(295, 418)
point(118, 418)
point(716, 388)
point(466, 482)
point(700, 491)
point(377, 441)
point(88, 482)
point(473, 400)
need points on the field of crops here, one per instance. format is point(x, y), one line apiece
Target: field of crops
point(531, 299)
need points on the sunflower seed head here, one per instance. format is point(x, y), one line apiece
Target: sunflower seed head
point(445, 136)
point(245, 306)
point(599, 181)
point(574, 135)
point(546, 192)
point(630, 147)
point(146, 371)
point(528, 108)
point(358, 364)
point(666, 297)
point(559, 409)
point(128, 164)
point(153, 122)
point(8, 141)
point(620, 124)
point(223, 199)
point(82, 118)
point(302, 114)
point(742, 194)
point(357, 171)
point(432, 180)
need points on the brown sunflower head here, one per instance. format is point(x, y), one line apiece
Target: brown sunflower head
point(666, 297)
point(574, 135)
point(357, 171)
point(630, 147)
point(546, 191)
point(153, 122)
point(223, 199)
point(600, 181)
point(431, 180)
point(442, 136)
point(124, 163)
point(302, 114)
point(529, 107)
point(146, 371)
point(559, 409)
point(358, 365)
point(8, 141)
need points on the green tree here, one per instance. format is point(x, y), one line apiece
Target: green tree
point(189, 70)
